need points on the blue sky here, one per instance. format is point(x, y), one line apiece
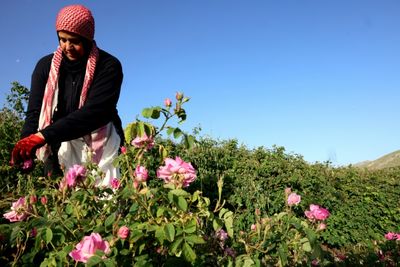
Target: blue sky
point(320, 78)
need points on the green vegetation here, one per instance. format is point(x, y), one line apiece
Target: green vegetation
point(234, 214)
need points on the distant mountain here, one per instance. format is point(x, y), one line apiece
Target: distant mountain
point(386, 161)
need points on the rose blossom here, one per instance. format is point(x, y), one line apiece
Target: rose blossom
point(141, 174)
point(167, 102)
point(177, 171)
point(288, 190)
point(392, 236)
point(88, 246)
point(75, 174)
point(123, 150)
point(28, 165)
point(178, 96)
point(19, 211)
point(221, 235)
point(253, 227)
point(123, 232)
point(115, 183)
point(33, 199)
point(33, 232)
point(293, 199)
point(317, 213)
point(321, 226)
point(43, 200)
point(143, 141)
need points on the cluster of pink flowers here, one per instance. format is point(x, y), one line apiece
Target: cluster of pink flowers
point(75, 174)
point(317, 213)
point(293, 199)
point(177, 171)
point(392, 236)
point(88, 247)
point(19, 211)
point(144, 141)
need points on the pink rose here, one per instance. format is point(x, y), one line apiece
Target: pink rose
point(141, 174)
point(115, 183)
point(392, 236)
point(43, 200)
point(167, 102)
point(88, 246)
point(293, 199)
point(317, 213)
point(33, 199)
point(123, 232)
point(288, 190)
point(143, 142)
point(19, 211)
point(253, 227)
point(321, 226)
point(123, 150)
point(178, 96)
point(33, 232)
point(75, 174)
point(221, 235)
point(28, 165)
point(177, 171)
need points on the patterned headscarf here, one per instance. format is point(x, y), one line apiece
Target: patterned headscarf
point(76, 19)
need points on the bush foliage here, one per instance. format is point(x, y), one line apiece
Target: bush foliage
point(235, 213)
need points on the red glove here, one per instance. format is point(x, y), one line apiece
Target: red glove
point(25, 148)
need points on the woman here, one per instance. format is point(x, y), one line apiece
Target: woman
point(72, 114)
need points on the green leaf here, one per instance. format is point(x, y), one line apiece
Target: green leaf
point(94, 260)
point(189, 141)
point(160, 234)
point(188, 253)
point(169, 230)
point(49, 235)
point(181, 203)
point(170, 130)
point(160, 211)
point(217, 224)
point(229, 226)
point(175, 245)
point(146, 112)
point(155, 113)
point(110, 220)
point(179, 192)
point(307, 247)
point(177, 133)
point(312, 237)
point(134, 208)
point(124, 252)
point(69, 209)
point(283, 253)
point(195, 239)
point(136, 235)
point(190, 227)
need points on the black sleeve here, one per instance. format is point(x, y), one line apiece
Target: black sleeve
point(99, 109)
point(38, 85)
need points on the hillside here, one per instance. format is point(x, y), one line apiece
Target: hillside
point(386, 161)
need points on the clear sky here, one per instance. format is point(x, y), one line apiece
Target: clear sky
point(320, 78)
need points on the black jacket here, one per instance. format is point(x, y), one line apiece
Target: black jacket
point(68, 121)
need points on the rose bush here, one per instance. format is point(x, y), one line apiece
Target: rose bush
point(156, 214)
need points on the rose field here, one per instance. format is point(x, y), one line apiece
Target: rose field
point(188, 200)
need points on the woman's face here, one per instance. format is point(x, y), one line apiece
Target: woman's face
point(71, 45)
